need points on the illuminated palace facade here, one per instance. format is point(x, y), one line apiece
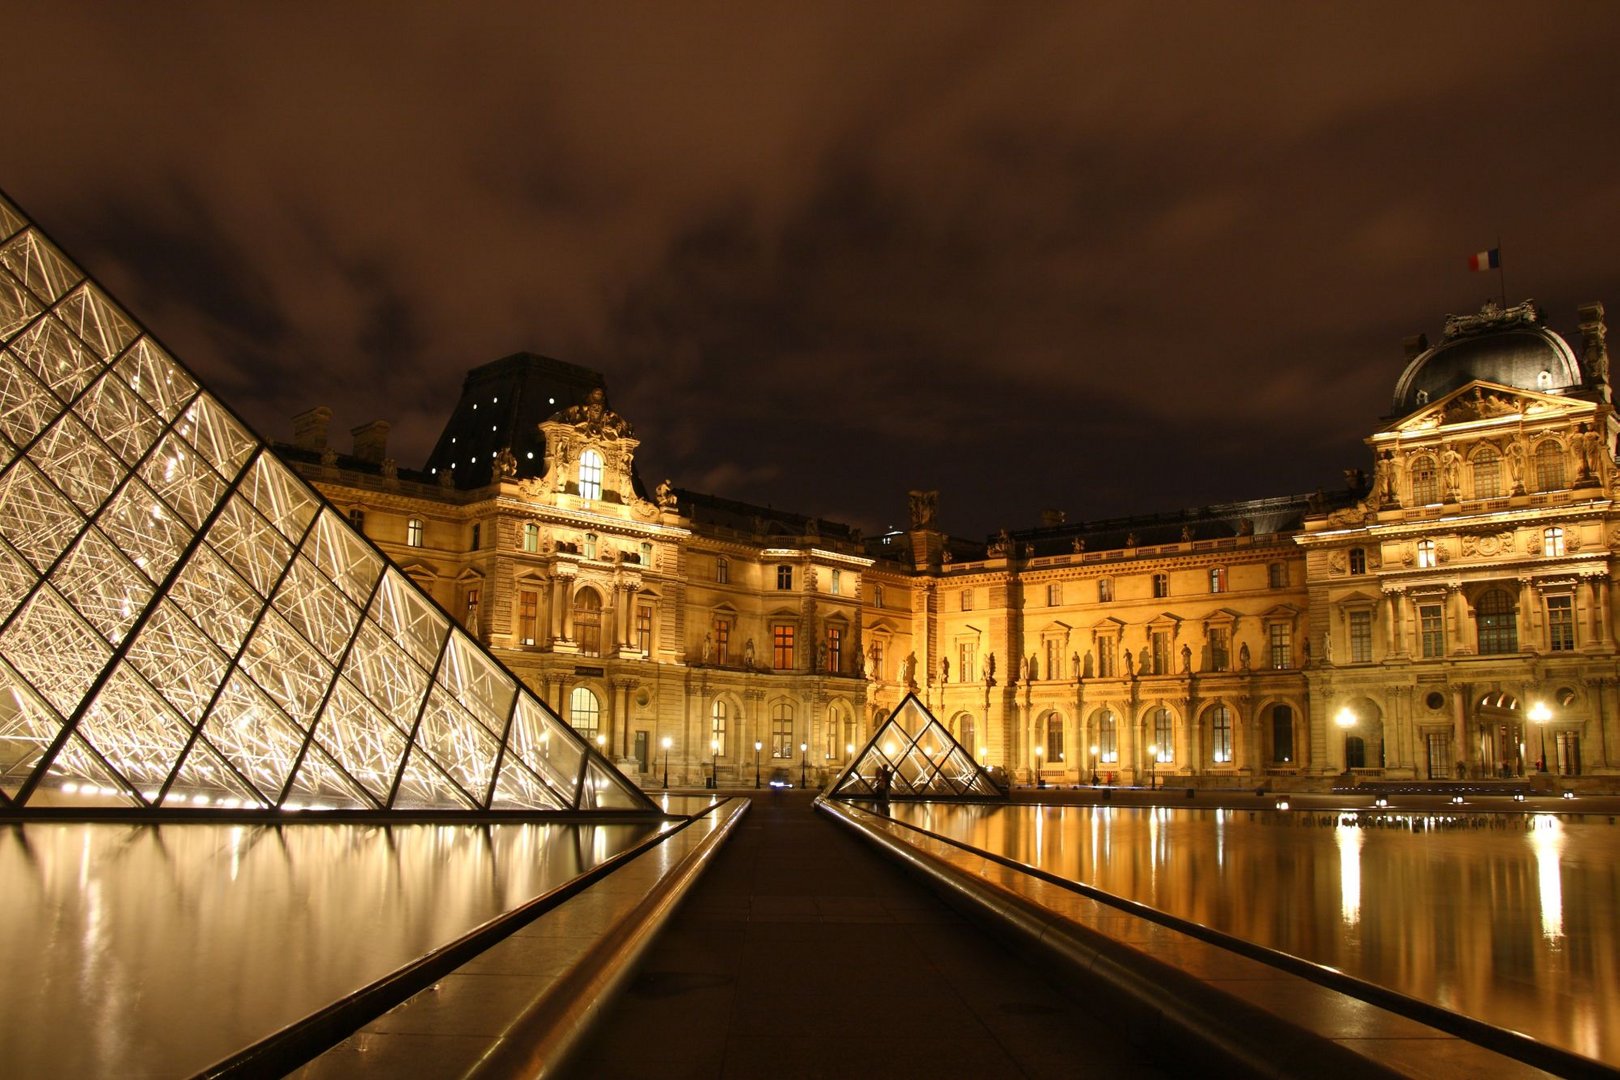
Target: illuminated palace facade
point(1448, 617)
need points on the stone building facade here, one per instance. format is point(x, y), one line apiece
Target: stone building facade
point(1438, 621)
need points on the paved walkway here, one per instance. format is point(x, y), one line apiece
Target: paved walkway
point(803, 952)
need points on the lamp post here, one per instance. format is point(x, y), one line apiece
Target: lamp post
point(667, 741)
point(1153, 765)
point(1094, 750)
point(1541, 714)
point(1346, 720)
point(714, 763)
point(1040, 781)
point(757, 745)
point(601, 744)
point(849, 751)
point(803, 760)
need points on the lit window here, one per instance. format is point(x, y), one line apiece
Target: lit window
point(590, 475)
point(1560, 623)
point(590, 545)
point(1498, 622)
point(784, 577)
point(644, 619)
point(1164, 736)
point(1161, 586)
point(967, 600)
point(717, 729)
point(1425, 482)
point(1054, 658)
point(1217, 579)
point(357, 518)
point(1552, 542)
point(722, 641)
point(646, 555)
point(1426, 554)
point(588, 622)
point(1054, 594)
point(413, 532)
point(1220, 648)
point(1160, 642)
point(722, 570)
point(1549, 466)
point(585, 712)
point(1487, 474)
point(1105, 590)
point(966, 661)
point(470, 598)
point(531, 538)
point(837, 582)
point(1358, 561)
point(1220, 735)
point(782, 731)
point(1282, 652)
point(782, 646)
point(1054, 738)
point(1105, 657)
point(1107, 738)
point(1361, 637)
point(1432, 630)
point(835, 649)
point(528, 616)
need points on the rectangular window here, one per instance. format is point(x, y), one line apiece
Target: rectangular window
point(1220, 735)
point(1217, 579)
point(877, 596)
point(717, 730)
point(1281, 649)
point(1105, 590)
point(1161, 653)
point(476, 532)
point(413, 532)
point(784, 577)
point(1105, 658)
point(531, 538)
point(1054, 659)
point(966, 662)
point(1361, 637)
point(1277, 575)
point(837, 582)
point(357, 518)
point(722, 641)
point(1560, 623)
point(1358, 560)
point(1161, 586)
point(1164, 737)
point(1432, 630)
point(782, 646)
point(722, 570)
point(1108, 739)
point(644, 628)
point(528, 616)
point(835, 649)
point(471, 615)
point(1054, 594)
point(782, 732)
point(967, 600)
point(1220, 648)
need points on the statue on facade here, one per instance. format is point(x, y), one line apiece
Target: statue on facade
point(1079, 545)
point(664, 494)
point(872, 671)
point(1186, 534)
point(748, 654)
point(924, 509)
point(329, 457)
point(1023, 669)
point(1516, 460)
point(945, 556)
point(1186, 659)
point(989, 667)
point(390, 469)
point(1243, 656)
point(821, 656)
point(1451, 472)
point(447, 478)
point(1245, 526)
point(944, 669)
point(1130, 665)
point(1588, 445)
point(708, 648)
point(506, 464)
point(1384, 479)
point(1000, 547)
point(1074, 664)
point(1142, 663)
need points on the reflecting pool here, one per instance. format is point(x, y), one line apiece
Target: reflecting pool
point(161, 949)
point(1511, 918)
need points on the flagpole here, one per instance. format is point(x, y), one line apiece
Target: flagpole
point(1501, 272)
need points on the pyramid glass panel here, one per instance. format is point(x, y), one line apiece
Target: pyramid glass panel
point(924, 760)
point(151, 666)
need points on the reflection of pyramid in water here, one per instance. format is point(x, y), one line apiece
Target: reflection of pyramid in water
point(927, 761)
point(184, 622)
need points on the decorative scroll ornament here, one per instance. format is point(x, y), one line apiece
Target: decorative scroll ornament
point(595, 420)
point(1493, 316)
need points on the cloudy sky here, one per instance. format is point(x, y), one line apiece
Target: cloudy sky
point(1106, 257)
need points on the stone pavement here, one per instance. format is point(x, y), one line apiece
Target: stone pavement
point(804, 952)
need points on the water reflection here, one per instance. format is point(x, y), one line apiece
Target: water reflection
point(1510, 918)
point(163, 948)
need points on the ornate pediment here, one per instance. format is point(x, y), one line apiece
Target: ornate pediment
point(594, 419)
point(1480, 400)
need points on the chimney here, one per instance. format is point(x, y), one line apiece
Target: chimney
point(309, 428)
point(1415, 346)
point(371, 441)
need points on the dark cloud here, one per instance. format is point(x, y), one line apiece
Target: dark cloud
point(1103, 257)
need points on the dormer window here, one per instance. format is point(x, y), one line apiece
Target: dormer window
point(590, 475)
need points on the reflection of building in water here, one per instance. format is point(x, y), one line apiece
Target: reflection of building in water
point(1404, 626)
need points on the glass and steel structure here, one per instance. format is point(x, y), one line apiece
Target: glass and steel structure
point(924, 760)
point(186, 623)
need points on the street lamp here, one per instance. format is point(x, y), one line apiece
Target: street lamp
point(714, 763)
point(1541, 714)
point(1153, 762)
point(1094, 750)
point(757, 745)
point(1346, 720)
point(849, 750)
point(1040, 781)
point(667, 741)
point(803, 759)
point(601, 744)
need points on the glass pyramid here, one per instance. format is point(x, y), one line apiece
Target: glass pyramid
point(926, 761)
point(186, 623)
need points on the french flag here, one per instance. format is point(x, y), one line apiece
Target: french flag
point(1485, 260)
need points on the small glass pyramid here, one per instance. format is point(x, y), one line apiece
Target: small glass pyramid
point(185, 623)
point(924, 760)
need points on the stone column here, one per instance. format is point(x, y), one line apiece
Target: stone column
point(1459, 706)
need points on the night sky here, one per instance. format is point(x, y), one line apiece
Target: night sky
point(1108, 258)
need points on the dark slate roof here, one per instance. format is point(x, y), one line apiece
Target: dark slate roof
point(1509, 347)
point(703, 509)
point(502, 405)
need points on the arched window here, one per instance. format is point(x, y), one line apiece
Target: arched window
point(964, 733)
point(1282, 734)
point(782, 731)
point(531, 538)
point(1549, 466)
point(1425, 483)
point(1054, 738)
point(1220, 735)
point(1107, 738)
point(590, 475)
point(1498, 624)
point(1487, 474)
point(585, 712)
point(588, 621)
point(413, 532)
point(1358, 560)
point(717, 728)
point(1164, 736)
point(1552, 542)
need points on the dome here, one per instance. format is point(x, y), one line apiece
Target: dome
point(1510, 347)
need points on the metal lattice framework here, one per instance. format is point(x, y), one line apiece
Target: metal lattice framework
point(924, 759)
point(185, 622)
